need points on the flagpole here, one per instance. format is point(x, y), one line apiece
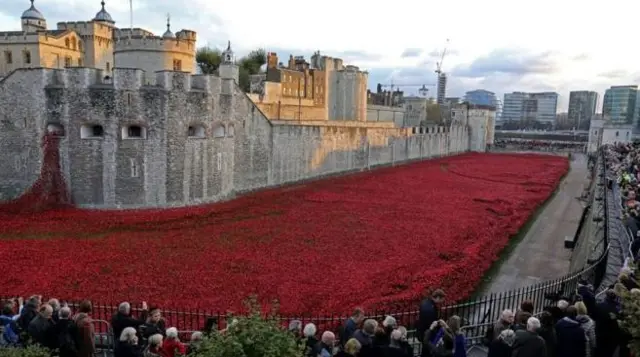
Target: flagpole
point(131, 13)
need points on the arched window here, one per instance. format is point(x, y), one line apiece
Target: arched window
point(56, 129)
point(196, 131)
point(67, 43)
point(231, 131)
point(218, 131)
point(73, 43)
point(91, 131)
point(134, 132)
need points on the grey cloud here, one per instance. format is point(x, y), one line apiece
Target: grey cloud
point(508, 61)
point(411, 52)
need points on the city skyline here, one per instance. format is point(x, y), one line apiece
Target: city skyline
point(404, 54)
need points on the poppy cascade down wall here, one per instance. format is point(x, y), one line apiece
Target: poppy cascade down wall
point(189, 139)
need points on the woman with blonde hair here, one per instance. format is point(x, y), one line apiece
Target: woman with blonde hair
point(502, 346)
point(459, 342)
point(588, 325)
point(128, 344)
point(351, 349)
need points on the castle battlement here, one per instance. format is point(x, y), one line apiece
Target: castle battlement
point(155, 44)
point(127, 79)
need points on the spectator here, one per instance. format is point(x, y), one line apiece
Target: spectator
point(29, 312)
point(351, 349)
point(572, 340)
point(627, 281)
point(352, 324)
point(526, 306)
point(55, 304)
point(394, 348)
point(504, 323)
point(502, 346)
point(608, 332)
point(429, 311)
point(438, 342)
point(85, 338)
point(41, 328)
point(459, 341)
point(521, 321)
point(311, 342)
point(404, 342)
point(128, 344)
point(528, 343)
point(365, 337)
point(123, 319)
point(195, 342)
point(547, 331)
point(154, 348)
point(154, 324)
point(383, 338)
point(65, 331)
point(172, 346)
point(295, 327)
point(588, 326)
point(326, 344)
point(586, 294)
point(10, 330)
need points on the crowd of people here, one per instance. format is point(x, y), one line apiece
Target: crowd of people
point(537, 145)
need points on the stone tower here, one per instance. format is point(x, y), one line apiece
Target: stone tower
point(32, 20)
point(228, 68)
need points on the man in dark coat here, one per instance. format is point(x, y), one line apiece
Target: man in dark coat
point(29, 312)
point(429, 312)
point(123, 319)
point(351, 325)
point(607, 329)
point(528, 343)
point(41, 328)
point(572, 339)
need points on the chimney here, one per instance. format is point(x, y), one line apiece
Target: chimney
point(292, 63)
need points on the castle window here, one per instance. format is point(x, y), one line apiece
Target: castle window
point(73, 44)
point(177, 65)
point(91, 131)
point(8, 57)
point(129, 98)
point(196, 131)
point(67, 61)
point(231, 131)
point(108, 66)
point(56, 129)
point(218, 131)
point(67, 42)
point(80, 46)
point(135, 170)
point(27, 57)
point(134, 132)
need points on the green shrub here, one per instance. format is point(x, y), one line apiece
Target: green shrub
point(630, 320)
point(30, 351)
point(250, 336)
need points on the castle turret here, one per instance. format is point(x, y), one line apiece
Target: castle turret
point(104, 16)
point(168, 33)
point(228, 69)
point(32, 20)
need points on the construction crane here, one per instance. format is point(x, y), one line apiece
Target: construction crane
point(442, 77)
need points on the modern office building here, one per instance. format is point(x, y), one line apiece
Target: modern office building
point(485, 97)
point(540, 107)
point(619, 104)
point(582, 107)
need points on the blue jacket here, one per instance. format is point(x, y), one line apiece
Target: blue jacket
point(572, 339)
point(10, 334)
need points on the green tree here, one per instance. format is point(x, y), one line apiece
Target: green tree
point(208, 59)
point(250, 65)
point(251, 336)
point(630, 320)
point(29, 351)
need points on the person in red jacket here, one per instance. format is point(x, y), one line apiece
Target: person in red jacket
point(172, 345)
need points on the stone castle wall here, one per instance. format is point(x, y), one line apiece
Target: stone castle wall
point(240, 150)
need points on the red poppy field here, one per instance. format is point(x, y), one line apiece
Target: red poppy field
point(375, 239)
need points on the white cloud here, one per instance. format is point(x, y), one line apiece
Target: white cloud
point(585, 39)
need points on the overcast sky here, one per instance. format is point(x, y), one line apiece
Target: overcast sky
point(498, 45)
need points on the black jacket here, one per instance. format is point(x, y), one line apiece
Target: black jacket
point(428, 314)
point(127, 350)
point(43, 333)
point(498, 348)
point(572, 340)
point(528, 344)
point(121, 321)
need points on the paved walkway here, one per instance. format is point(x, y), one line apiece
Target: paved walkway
point(541, 255)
